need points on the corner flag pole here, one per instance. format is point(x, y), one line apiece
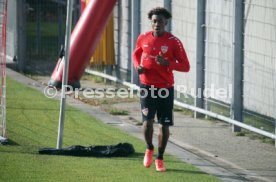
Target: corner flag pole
point(65, 60)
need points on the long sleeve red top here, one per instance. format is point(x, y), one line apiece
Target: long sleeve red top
point(148, 48)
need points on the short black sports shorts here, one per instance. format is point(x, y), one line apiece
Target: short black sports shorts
point(157, 100)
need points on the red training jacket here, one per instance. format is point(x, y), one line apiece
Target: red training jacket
point(148, 47)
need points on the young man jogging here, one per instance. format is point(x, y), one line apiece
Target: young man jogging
point(156, 55)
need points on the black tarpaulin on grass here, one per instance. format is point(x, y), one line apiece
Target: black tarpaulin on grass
point(119, 150)
point(3, 141)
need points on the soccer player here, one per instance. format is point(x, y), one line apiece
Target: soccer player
point(156, 55)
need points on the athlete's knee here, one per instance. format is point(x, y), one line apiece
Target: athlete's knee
point(164, 129)
point(148, 123)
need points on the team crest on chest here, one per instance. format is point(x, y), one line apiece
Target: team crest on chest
point(164, 49)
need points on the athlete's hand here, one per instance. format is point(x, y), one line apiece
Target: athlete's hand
point(140, 69)
point(161, 60)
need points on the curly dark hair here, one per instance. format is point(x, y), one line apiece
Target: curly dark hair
point(159, 11)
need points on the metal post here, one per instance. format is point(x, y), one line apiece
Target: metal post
point(200, 59)
point(168, 6)
point(21, 34)
point(135, 31)
point(108, 70)
point(119, 17)
point(237, 72)
point(65, 73)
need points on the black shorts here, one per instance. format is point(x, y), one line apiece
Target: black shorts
point(157, 101)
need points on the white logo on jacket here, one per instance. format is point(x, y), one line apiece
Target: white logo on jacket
point(164, 49)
